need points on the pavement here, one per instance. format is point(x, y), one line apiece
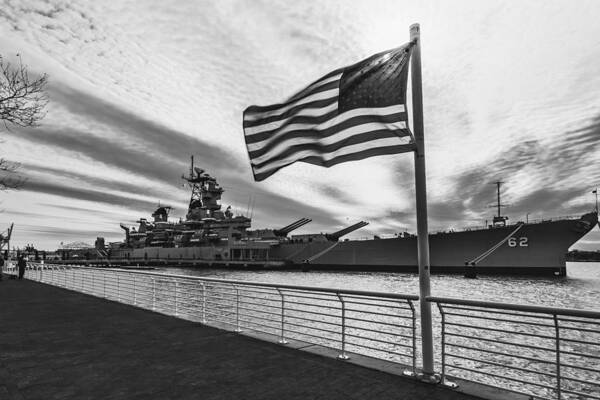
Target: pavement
point(59, 344)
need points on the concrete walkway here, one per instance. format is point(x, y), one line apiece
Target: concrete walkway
point(58, 344)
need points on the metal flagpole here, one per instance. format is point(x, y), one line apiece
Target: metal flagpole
point(421, 199)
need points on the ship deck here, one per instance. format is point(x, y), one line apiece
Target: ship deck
point(58, 344)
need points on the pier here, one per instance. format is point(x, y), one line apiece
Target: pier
point(60, 344)
point(140, 332)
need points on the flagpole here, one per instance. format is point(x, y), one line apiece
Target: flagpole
point(421, 200)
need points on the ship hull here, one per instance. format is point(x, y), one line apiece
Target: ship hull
point(529, 249)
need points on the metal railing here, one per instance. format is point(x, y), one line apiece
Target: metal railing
point(10, 268)
point(379, 325)
point(543, 352)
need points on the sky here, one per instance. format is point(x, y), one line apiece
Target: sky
point(511, 92)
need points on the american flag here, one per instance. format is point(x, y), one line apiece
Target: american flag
point(350, 114)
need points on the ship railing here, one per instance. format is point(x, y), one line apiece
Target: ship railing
point(542, 220)
point(527, 221)
point(345, 323)
point(542, 352)
point(469, 228)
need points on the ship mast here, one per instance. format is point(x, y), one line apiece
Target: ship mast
point(498, 191)
point(499, 219)
point(206, 193)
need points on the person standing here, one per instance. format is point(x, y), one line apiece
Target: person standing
point(22, 263)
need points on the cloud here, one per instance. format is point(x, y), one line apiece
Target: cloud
point(134, 92)
point(88, 195)
point(68, 234)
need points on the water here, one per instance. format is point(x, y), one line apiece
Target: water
point(580, 289)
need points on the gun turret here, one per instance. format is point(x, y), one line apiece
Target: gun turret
point(126, 229)
point(294, 225)
point(335, 236)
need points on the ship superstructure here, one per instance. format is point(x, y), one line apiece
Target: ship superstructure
point(206, 233)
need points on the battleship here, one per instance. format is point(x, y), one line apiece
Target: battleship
point(209, 236)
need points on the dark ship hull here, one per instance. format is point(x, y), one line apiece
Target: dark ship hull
point(534, 249)
point(211, 237)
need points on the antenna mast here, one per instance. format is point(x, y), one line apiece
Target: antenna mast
point(499, 219)
point(206, 193)
point(498, 191)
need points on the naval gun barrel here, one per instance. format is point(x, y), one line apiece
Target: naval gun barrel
point(336, 235)
point(126, 229)
point(294, 225)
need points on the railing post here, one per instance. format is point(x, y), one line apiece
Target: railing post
point(237, 309)
point(282, 337)
point(134, 292)
point(443, 377)
point(558, 377)
point(176, 287)
point(203, 303)
point(104, 285)
point(153, 294)
point(343, 355)
point(118, 288)
point(414, 340)
point(92, 271)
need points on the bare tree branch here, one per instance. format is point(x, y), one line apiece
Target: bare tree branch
point(22, 103)
point(22, 99)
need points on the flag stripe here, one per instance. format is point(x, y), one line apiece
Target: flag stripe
point(350, 153)
point(326, 91)
point(258, 149)
point(303, 116)
point(315, 110)
point(358, 134)
point(357, 124)
point(360, 155)
point(315, 105)
point(319, 118)
point(325, 95)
